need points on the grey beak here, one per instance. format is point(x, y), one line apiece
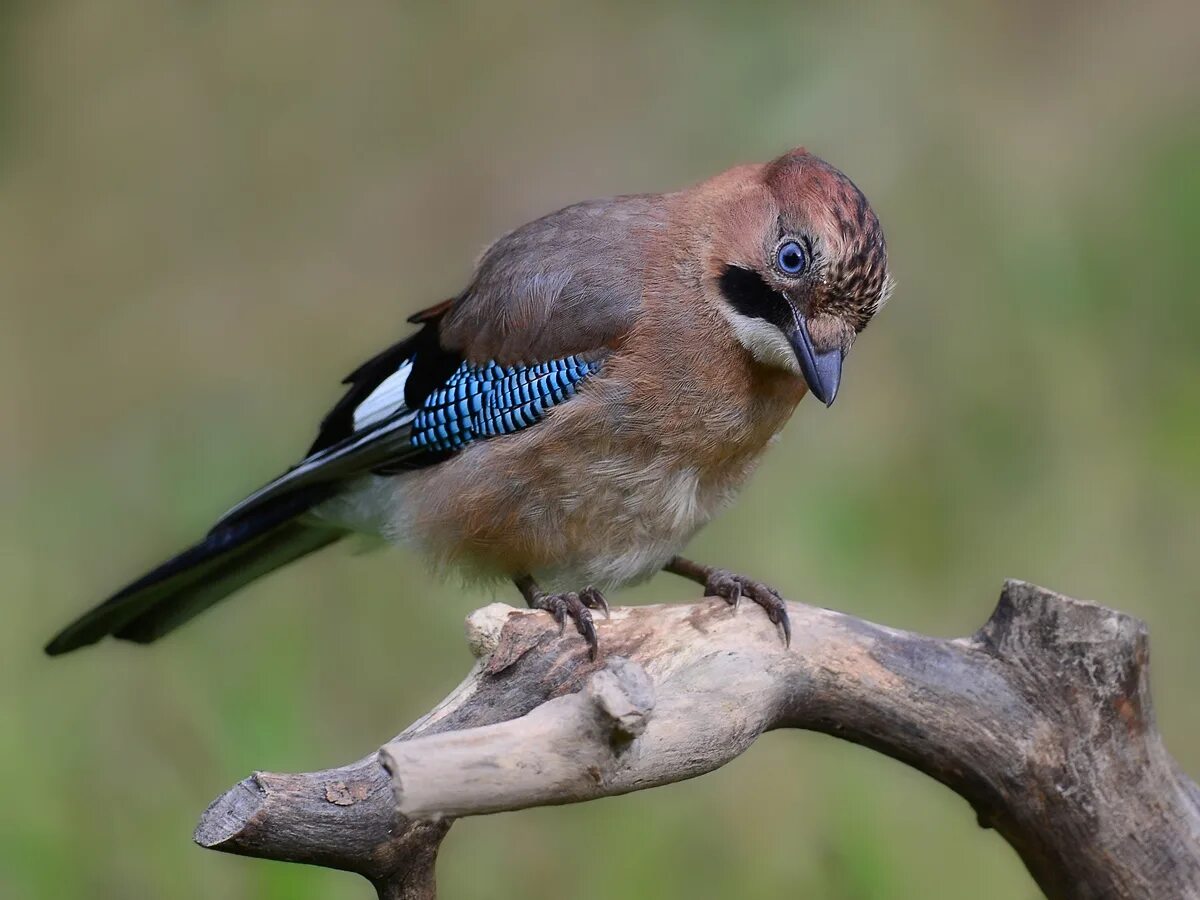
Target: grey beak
point(823, 370)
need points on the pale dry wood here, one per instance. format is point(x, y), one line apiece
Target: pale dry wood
point(561, 752)
point(1042, 721)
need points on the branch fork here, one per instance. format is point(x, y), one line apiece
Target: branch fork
point(1042, 720)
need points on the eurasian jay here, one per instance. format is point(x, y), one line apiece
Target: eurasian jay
point(604, 385)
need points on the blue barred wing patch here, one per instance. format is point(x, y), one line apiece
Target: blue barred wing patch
point(481, 401)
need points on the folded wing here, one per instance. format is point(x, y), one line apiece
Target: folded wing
point(545, 306)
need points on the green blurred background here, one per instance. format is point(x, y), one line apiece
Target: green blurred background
point(211, 211)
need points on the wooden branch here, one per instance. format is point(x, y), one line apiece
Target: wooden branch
point(1042, 721)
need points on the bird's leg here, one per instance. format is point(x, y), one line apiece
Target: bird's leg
point(577, 605)
point(732, 588)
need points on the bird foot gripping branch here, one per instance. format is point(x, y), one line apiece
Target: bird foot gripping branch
point(570, 605)
point(731, 587)
point(546, 423)
point(1042, 720)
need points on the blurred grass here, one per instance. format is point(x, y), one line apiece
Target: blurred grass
point(210, 211)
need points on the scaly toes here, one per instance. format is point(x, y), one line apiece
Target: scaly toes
point(774, 606)
point(732, 588)
point(725, 585)
point(574, 606)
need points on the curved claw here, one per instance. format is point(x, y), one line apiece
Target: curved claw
point(574, 605)
point(558, 610)
point(593, 599)
point(587, 628)
point(732, 588)
point(777, 612)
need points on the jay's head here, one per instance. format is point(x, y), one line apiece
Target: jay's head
point(799, 265)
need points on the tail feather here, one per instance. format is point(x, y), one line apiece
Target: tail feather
point(272, 551)
point(231, 556)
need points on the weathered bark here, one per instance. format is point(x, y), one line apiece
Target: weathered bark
point(1042, 721)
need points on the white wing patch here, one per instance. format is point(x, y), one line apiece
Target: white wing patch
point(386, 400)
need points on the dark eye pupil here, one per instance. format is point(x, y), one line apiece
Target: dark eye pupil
point(791, 258)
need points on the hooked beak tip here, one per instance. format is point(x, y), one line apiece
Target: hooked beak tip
point(825, 386)
point(822, 371)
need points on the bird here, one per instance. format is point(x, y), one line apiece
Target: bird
point(602, 387)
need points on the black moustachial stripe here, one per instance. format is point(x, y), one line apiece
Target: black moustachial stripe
point(751, 296)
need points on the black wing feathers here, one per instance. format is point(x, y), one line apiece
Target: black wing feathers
point(567, 284)
point(175, 591)
point(432, 365)
point(338, 423)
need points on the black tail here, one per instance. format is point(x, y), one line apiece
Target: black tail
point(232, 555)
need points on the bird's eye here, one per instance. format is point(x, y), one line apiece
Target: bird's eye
point(790, 258)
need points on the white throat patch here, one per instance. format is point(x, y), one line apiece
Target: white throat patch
point(765, 342)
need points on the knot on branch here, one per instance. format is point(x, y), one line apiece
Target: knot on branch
point(484, 627)
point(1042, 721)
point(622, 696)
